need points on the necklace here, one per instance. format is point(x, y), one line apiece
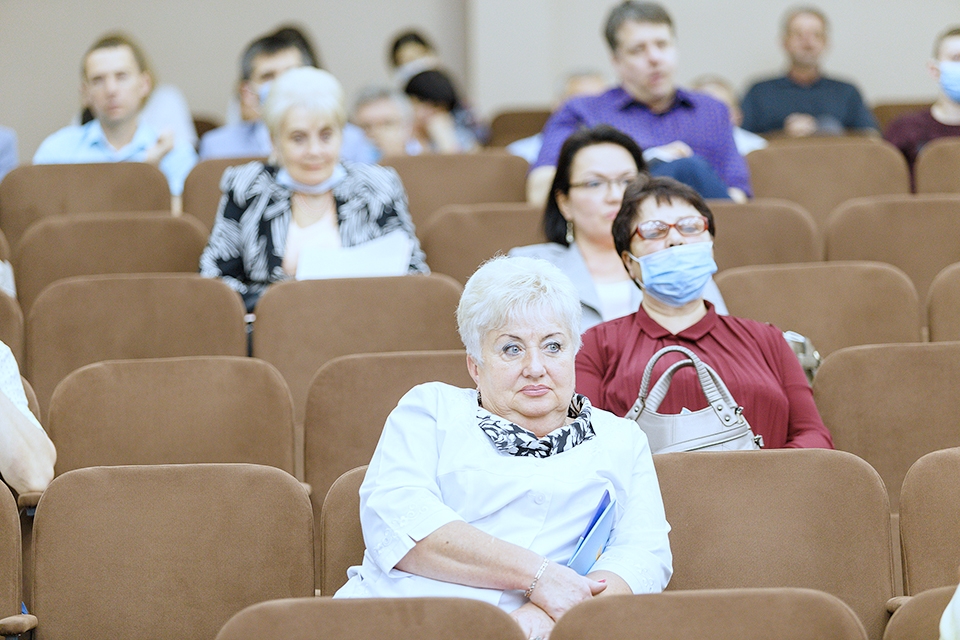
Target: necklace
point(311, 213)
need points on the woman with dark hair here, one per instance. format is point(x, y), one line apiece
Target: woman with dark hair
point(663, 233)
point(440, 124)
point(593, 170)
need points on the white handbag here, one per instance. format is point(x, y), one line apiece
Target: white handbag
point(717, 427)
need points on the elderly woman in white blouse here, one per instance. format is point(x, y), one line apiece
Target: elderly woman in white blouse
point(484, 493)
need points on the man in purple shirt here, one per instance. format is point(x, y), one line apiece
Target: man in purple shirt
point(684, 134)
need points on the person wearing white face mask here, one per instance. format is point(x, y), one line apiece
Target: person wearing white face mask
point(664, 234)
point(274, 218)
point(911, 131)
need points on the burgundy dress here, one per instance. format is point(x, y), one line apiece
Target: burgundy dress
point(754, 361)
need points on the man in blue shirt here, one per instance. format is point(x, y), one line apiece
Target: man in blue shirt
point(9, 159)
point(263, 61)
point(115, 87)
point(804, 102)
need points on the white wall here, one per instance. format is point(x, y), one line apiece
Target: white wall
point(883, 44)
point(505, 52)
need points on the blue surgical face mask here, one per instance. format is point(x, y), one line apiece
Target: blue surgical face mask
point(284, 179)
point(950, 79)
point(264, 91)
point(677, 275)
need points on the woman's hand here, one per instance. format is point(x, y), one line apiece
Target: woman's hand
point(560, 588)
point(534, 621)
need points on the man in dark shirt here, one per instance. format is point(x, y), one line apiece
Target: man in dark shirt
point(911, 131)
point(804, 102)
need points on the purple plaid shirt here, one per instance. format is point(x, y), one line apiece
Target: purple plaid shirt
point(695, 118)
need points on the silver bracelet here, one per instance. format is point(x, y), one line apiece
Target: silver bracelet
point(536, 578)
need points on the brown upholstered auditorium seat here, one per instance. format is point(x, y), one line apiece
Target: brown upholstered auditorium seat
point(835, 304)
point(167, 551)
point(31, 192)
point(341, 538)
point(201, 190)
point(31, 397)
point(459, 238)
point(10, 558)
point(764, 231)
point(87, 319)
point(5, 253)
point(91, 244)
point(943, 305)
point(172, 411)
point(887, 112)
point(919, 617)
point(436, 180)
point(745, 614)
point(510, 126)
point(381, 618)
point(349, 401)
point(937, 169)
point(11, 326)
point(303, 324)
point(930, 520)
point(914, 233)
point(820, 175)
point(891, 404)
point(808, 518)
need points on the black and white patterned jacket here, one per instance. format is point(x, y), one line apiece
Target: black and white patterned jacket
point(249, 235)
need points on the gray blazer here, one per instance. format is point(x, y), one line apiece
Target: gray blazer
point(570, 261)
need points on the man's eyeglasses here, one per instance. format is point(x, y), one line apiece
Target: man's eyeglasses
point(596, 185)
point(656, 229)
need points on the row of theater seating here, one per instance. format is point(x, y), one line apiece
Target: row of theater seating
point(162, 550)
point(300, 325)
point(819, 175)
point(909, 232)
point(887, 404)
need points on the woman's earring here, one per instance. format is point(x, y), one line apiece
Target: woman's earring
point(569, 232)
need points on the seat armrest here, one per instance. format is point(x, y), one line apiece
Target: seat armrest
point(29, 499)
point(896, 602)
point(13, 626)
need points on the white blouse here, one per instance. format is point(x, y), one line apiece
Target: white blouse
point(12, 386)
point(433, 465)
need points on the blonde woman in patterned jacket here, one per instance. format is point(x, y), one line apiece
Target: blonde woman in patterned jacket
point(308, 200)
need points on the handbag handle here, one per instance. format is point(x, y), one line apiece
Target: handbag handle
point(716, 392)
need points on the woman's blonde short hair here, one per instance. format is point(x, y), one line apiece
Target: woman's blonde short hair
point(507, 289)
point(315, 90)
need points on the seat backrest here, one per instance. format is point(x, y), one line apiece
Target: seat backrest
point(760, 519)
point(919, 617)
point(341, 538)
point(166, 551)
point(303, 324)
point(5, 253)
point(436, 180)
point(201, 190)
point(349, 401)
point(172, 411)
point(887, 112)
point(460, 237)
point(382, 618)
point(930, 520)
point(11, 326)
point(819, 176)
point(904, 230)
point(31, 397)
point(937, 169)
point(510, 126)
point(891, 404)
point(764, 231)
point(835, 304)
point(87, 319)
point(943, 305)
point(91, 244)
point(745, 614)
point(31, 192)
point(11, 566)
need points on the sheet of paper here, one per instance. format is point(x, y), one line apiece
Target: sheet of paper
point(388, 255)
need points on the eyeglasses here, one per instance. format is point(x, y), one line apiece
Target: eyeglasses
point(596, 185)
point(656, 229)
